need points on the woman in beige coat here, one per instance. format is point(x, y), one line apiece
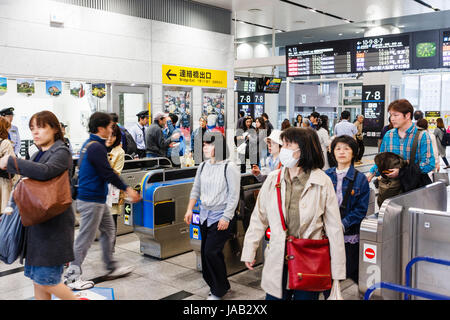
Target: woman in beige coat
point(6, 148)
point(310, 210)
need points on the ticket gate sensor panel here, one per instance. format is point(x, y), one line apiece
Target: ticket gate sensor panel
point(385, 241)
point(158, 220)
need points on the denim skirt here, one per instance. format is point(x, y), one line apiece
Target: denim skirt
point(45, 276)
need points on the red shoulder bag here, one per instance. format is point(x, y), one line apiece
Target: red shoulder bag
point(309, 261)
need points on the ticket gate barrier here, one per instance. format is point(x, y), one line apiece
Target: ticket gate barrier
point(386, 245)
point(132, 174)
point(233, 247)
point(158, 220)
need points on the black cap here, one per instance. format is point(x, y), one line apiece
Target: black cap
point(7, 112)
point(143, 114)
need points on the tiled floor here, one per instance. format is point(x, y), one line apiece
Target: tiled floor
point(152, 279)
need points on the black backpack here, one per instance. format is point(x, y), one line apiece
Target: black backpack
point(445, 138)
point(131, 147)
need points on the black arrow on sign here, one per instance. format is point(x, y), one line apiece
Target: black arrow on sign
point(168, 74)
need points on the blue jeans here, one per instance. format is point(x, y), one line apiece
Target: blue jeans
point(293, 294)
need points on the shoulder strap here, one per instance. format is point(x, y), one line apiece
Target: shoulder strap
point(412, 156)
point(83, 152)
point(225, 174)
point(280, 203)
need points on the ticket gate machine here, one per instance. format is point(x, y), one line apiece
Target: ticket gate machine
point(158, 220)
point(132, 173)
point(233, 247)
point(387, 241)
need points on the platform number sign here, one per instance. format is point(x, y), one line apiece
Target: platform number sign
point(373, 110)
point(252, 103)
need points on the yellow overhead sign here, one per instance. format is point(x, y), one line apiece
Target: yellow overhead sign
point(194, 76)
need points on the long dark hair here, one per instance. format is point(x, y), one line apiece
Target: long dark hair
point(45, 118)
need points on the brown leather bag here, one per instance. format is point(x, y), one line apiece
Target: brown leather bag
point(39, 201)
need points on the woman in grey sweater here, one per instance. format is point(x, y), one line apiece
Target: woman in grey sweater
point(217, 185)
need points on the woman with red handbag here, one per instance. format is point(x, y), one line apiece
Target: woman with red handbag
point(299, 203)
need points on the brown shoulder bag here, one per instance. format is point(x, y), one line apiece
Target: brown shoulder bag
point(39, 201)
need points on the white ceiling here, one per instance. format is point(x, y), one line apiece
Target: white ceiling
point(283, 16)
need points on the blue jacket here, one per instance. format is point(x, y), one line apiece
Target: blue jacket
point(358, 202)
point(96, 173)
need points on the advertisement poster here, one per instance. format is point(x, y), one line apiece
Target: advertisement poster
point(3, 86)
point(431, 117)
point(99, 90)
point(77, 89)
point(214, 110)
point(179, 102)
point(53, 88)
point(25, 86)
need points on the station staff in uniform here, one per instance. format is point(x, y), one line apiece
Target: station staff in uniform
point(13, 134)
point(138, 132)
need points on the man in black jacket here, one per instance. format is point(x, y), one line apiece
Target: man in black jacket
point(157, 144)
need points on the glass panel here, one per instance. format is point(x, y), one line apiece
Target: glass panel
point(430, 93)
point(130, 104)
point(410, 87)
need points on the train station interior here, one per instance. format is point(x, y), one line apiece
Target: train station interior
point(209, 60)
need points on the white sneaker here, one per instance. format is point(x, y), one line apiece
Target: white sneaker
point(73, 274)
point(213, 297)
point(81, 284)
point(120, 271)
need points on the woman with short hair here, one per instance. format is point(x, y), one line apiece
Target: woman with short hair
point(311, 211)
point(48, 245)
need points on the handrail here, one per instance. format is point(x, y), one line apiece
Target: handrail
point(417, 259)
point(404, 289)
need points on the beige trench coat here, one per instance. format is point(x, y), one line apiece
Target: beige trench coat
point(319, 212)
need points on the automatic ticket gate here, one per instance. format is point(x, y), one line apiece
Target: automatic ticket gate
point(390, 238)
point(233, 247)
point(132, 174)
point(158, 220)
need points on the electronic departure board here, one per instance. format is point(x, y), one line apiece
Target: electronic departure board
point(383, 53)
point(245, 84)
point(319, 58)
point(446, 49)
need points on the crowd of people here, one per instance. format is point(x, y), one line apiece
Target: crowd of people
point(321, 192)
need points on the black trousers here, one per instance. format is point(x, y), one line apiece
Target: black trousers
point(141, 153)
point(360, 149)
point(213, 262)
point(351, 264)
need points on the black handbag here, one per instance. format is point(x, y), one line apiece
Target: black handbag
point(411, 177)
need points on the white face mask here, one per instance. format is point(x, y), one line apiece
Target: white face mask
point(287, 159)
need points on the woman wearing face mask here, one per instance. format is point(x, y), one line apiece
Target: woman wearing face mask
point(217, 185)
point(354, 205)
point(310, 211)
